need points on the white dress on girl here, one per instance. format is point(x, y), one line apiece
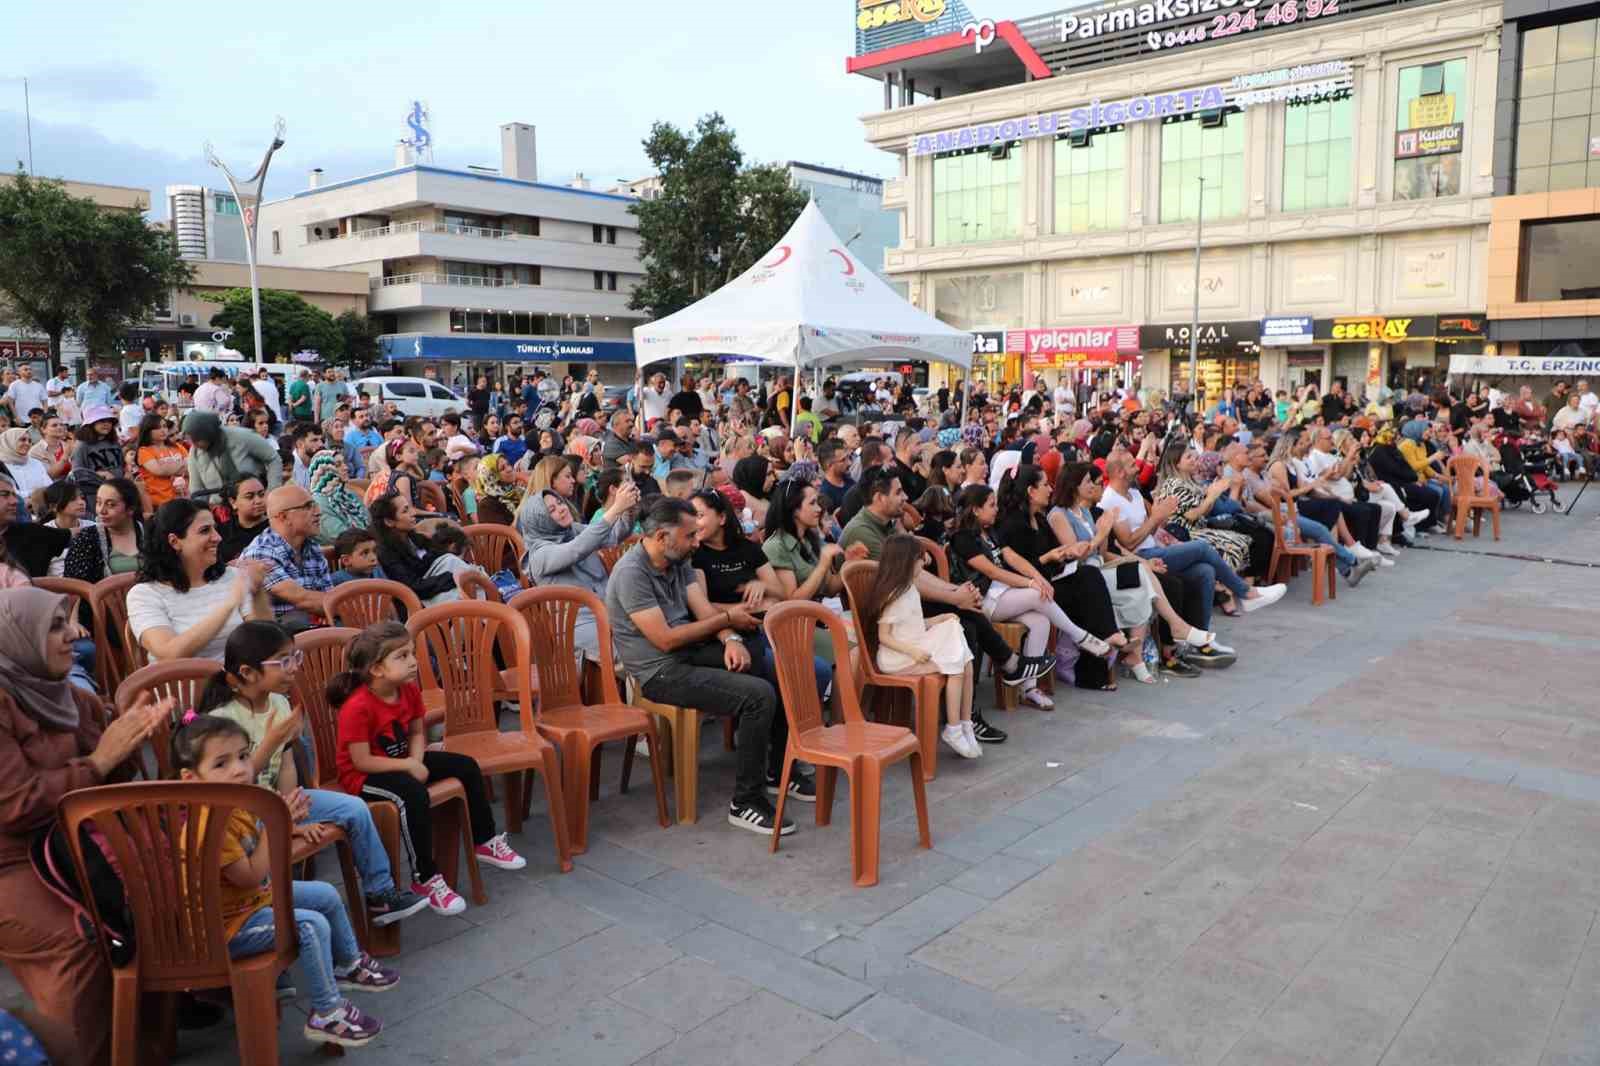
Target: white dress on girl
point(942, 639)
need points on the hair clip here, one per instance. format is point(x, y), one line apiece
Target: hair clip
point(189, 716)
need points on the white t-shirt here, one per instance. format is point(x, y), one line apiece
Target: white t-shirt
point(1588, 402)
point(1133, 512)
point(24, 397)
point(653, 403)
point(1318, 461)
point(152, 605)
point(128, 420)
point(269, 392)
point(29, 476)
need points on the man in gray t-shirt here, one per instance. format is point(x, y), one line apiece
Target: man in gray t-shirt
point(682, 650)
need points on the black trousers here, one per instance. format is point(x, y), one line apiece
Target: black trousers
point(696, 677)
point(1184, 600)
point(1083, 597)
point(416, 813)
point(982, 637)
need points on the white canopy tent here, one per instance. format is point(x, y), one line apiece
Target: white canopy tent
point(808, 303)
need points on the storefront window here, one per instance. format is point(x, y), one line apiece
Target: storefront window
point(1558, 260)
point(979, 301)
point(1091, 193)
point(1432, 97)
point(977, 195)
point(1209, 147)
point(1558, 110)
point(1318, 150)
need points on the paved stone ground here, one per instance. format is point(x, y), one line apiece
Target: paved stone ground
point(1376, 839)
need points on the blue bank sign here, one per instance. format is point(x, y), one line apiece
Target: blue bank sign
point(506, 349)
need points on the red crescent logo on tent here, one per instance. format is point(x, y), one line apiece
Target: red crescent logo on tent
point(849, 267)
point(784, 252)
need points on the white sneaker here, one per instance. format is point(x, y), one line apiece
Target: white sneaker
point(1267, 596)
point(1384, 560)
point(1361, 551)
point(1386, 548)
point(1418, 517)
point(1200, 638)
point(968, 731)
point(956, 738)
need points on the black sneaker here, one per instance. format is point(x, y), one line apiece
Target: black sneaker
point(802, 787)
point(1028, 668)
point(1207, 658)
point(386, 908)
point(758, 817)
point(986, 733)
point(1177, 667)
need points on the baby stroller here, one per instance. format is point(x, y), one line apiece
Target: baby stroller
point(1525, 475)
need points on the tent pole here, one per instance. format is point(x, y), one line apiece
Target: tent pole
point(966, 390)
point(794, 395)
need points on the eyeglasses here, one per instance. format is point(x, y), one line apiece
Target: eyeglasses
point(290, 662)
point(309, 504)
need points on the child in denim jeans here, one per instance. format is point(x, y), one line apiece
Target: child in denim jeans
point(213, 749)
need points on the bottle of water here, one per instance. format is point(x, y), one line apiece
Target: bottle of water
point(747, 519)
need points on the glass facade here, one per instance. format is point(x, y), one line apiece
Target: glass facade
point(1431, 95)
point(979, 301)
point(1318, 153)
point(1192, 149)
point(1558, 260)
point(1091, 190)
point(518, 323)
point(1558, 110)
point(977, 196)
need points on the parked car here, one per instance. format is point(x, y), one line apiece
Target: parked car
point(413, 396)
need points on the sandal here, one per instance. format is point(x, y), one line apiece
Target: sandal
point(1094, 645)
point(1230, 606)
point(1140, 672)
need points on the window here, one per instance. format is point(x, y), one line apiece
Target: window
point(611, 235)
point(1318, 152)
point(979, 301)
point(162, 311)
point(1558, 261)
point(611, 281)
point(524, 275)
point(598, 232)
point(599, 279)
point(977, 195)
point(277, 244)
point(223, 204)
point(439, 392)
point(1429, 110)
point(1091, 193)
point(1198, 148)
point(1558, 114)
point(411, 390)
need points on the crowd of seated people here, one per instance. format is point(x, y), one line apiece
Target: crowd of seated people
point(1090, 538)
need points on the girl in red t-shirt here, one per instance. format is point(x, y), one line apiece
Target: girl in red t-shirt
point(383, 756)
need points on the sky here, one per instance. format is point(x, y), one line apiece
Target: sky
point(128, 93)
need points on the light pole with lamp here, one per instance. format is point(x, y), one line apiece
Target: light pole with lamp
point(248, 216)
point(1194, 322)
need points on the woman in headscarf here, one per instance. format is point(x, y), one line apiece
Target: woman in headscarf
point(754, 477)
point(1391, 466)
point(564, 551)
point(498, 493)
point(377, 475)
point(1415, 445)
point(340, 508)
point(52, 743)
point(29, 473)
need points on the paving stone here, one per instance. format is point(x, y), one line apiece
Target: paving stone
point(995, 876)
point(799, 980)
point(762, 1028)
point(898, 884)
point(592, 968)
point(1409, 922)
point(684, 993)
point(971, 960)
point(795, 933)
point(473, 1028)
point(1061, 900)
point(1348, 1010)
point(1469, 1016)
point(622, 904)
point(928, 1037)
point(1335, 867)
point(919, 921)
point(617, 862)
point(1269, 931)
point(1197, 1008)
point(1575, 1039)
point(851, 1048)
point(1525, 940)
point(986, 838)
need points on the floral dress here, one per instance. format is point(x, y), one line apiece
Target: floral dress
point(1233, 547)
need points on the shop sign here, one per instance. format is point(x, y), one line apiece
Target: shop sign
point(1531, 365)
point(1076, 347)
point(1461, 327)
point(1436, 109)
point(988, 342)
point(1374, 328)
point(1211, 335)
point(24, 350)
point(1309, 81)
point(875, 14)
point(1286, 332)
point(1219, 20)
point(1374, 368)
point(1096, 113)
point(1430, 140)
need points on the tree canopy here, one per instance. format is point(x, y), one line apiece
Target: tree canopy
point(70, 266)
point(289, 324)
point(715, 215)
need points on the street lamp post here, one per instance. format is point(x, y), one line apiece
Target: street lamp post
point(248, 216)
point(1194, 322)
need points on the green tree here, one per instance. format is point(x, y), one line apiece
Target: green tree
point(360, 339)
point(289, 324)
point(714, 217)
point(70, 266)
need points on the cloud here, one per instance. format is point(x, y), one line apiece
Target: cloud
point(97, 84)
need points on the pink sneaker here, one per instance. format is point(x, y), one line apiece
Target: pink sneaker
point(497, 853)
point(442, 899)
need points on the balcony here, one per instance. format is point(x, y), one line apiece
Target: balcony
point(403, 292)
point(472, 244)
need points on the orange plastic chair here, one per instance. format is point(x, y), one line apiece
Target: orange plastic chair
point(860, 748)
point(433, 497)
point(459, 641)
point(358, 485)
point(1289, 551)
point(941, 561)
point(496, 547)
point(924, 690)
point(117, 654)
point(580, 728)
point(171, 863)
point(369, 600)
point(610, 555)
point(1468, 501)
point(324, 657)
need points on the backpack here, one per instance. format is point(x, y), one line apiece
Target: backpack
point(52, 861)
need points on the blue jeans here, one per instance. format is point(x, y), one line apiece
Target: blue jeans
point(81, 673)
point(1311, 529)
point(326, 940)
point(1197, 564)
point(350, 814)
point(1443, 490)
point(762, 666)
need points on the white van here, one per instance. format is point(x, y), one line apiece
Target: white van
point(412, 396)
point(161, 380)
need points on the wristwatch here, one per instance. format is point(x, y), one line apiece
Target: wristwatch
point(733, 636)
